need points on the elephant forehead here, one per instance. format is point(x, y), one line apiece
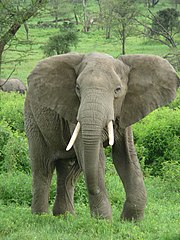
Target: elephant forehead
point(95, 73)
point(98, 61)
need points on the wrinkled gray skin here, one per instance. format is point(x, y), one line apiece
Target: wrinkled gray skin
point(12, 85)
point(92, 89)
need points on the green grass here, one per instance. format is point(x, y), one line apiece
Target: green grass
point(161, 220)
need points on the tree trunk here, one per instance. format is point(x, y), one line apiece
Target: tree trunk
point(108, 32)
point(154, 2)
point(85, 28)
point(123, 40)
point(2, 45)
point(27, 30)
point(76, 17)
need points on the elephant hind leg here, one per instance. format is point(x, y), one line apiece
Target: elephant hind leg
point(68, 171)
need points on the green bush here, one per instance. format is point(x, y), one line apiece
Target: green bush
point(80, 194)
point(15, 188)
point(11, 110)
point(5, 133)
point(13, 143)
point(157, 138)
point(13, 150)
point(62, 41)
point(16, 154)
point(176, 103)
point(171, 177)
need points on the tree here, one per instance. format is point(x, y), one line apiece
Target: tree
point(62, 41)
point(87, 18)
point(105, 16)
point(117, 17)
point(13, 15)
point(175, 2)
point(152, 3)
point(167, 19)
point(164, 26)
point(124, 13)
point(60, 9)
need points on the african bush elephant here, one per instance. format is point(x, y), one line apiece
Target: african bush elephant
point(104, 97)
point(12, 85)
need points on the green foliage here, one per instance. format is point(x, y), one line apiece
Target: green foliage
point(157, 138)
point(81, 191)
point(13, 142)
point(15, 188)
point(61, 42)
point(171, 176)
point(176, 103)
point(167, 18)
point(11, 110)
point(13, 150)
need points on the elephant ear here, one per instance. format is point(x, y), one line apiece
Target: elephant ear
point(52, 84)
point(152, 83)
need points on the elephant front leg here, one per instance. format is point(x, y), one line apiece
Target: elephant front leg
point(128, 167)
point(40, 191)
point(42, 171)
point(68, 171)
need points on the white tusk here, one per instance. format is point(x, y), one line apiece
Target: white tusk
point(73, 137)
point(111, 133)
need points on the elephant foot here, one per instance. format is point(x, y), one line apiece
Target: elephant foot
point(57, 212)
point(62, 208)
point(38, 210)
point(39, 206)
point(100, 206)
point(131, 212)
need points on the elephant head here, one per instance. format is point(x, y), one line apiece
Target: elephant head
point(95, 90)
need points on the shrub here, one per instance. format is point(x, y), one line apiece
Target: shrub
point(157, 138)
point(167, 18)
point(13, 143)
point(13, 150)
point(176, 103)
point(80, 194)
point(5, 133)
point(15, 188)
point(16, 154)
point(11, 110)
point(170, 172)
point(62, 41)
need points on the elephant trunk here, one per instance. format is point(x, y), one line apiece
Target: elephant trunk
point(93, 119)
point(91, 135)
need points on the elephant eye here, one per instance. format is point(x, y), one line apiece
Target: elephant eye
point(118, 89)
point(77, 87)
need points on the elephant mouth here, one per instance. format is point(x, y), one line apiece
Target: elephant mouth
point(77, 129)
